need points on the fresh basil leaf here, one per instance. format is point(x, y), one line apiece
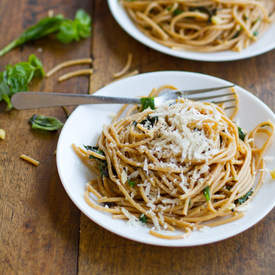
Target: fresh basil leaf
point(74, 30)
point(83, 23)
point(37, 64)
point(67, 30)
point(16, 78)
point(45, 123)
point(43, 28)
point(5, 92)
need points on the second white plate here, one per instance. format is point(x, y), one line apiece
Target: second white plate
point(264, 44)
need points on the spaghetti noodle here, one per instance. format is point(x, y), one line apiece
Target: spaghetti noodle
point(181, 166)
point(75, 73)
point(199, 25)
point(68, 64)
point(125, 68)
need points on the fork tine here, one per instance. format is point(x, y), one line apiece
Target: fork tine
point(210, 97)
point(199, 91)
point(223, 101)
point(230, 107)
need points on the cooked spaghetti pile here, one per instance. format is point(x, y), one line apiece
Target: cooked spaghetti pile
point(181, 166)
point(199, 25)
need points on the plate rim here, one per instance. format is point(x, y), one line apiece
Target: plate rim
point(114, 230)
point(143, 39)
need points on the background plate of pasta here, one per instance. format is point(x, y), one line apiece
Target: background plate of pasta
point(182, 174)
point(200, 30)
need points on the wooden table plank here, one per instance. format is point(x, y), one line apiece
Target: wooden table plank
point(39, 227)
point(102, 252)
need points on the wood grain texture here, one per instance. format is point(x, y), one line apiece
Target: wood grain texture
point(39, 227)
point(102, 252)
point(41, 231)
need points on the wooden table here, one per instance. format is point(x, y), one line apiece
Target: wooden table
point(41, 230)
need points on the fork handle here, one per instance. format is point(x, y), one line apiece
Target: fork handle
point(32, 100)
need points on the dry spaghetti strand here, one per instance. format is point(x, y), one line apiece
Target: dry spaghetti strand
point(68, 64)
point(126, 67)
point(30, 160)
point(75, 73)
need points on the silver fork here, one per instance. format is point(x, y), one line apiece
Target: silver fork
point(32, 100)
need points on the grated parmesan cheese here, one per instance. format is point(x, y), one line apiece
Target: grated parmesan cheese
point(175, 133)
point(268, 158)
point(134, 174)
point(132, 220)
point(123, 176)
point(145, 167)
point(204, 228)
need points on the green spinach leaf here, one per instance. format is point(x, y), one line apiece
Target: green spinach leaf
point(143, 218)
point(16, 78)
point(45, 123)
point(244, 198)
point(241, 133)
point(67, 30)
point(206, 193)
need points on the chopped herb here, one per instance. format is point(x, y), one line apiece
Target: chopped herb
point(147, 102)
point(255, 33)
point(244, 198)
point(134, 123)
point(169, 8)
point(143, 218)
point(16, 78)
point(94, 149)
point(67, 30)
point(177, 12)
point(236, 34)
point(209, 12)
point(228, 187)
point(109, 204)
point(149, 121)
point(241, 133)
point(206, 193)
point(131, 183)
point(255, 21)
point(102, 164)
point(45, 123)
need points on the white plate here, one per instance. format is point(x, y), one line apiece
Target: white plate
point(85, 124)
point(264, 44)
